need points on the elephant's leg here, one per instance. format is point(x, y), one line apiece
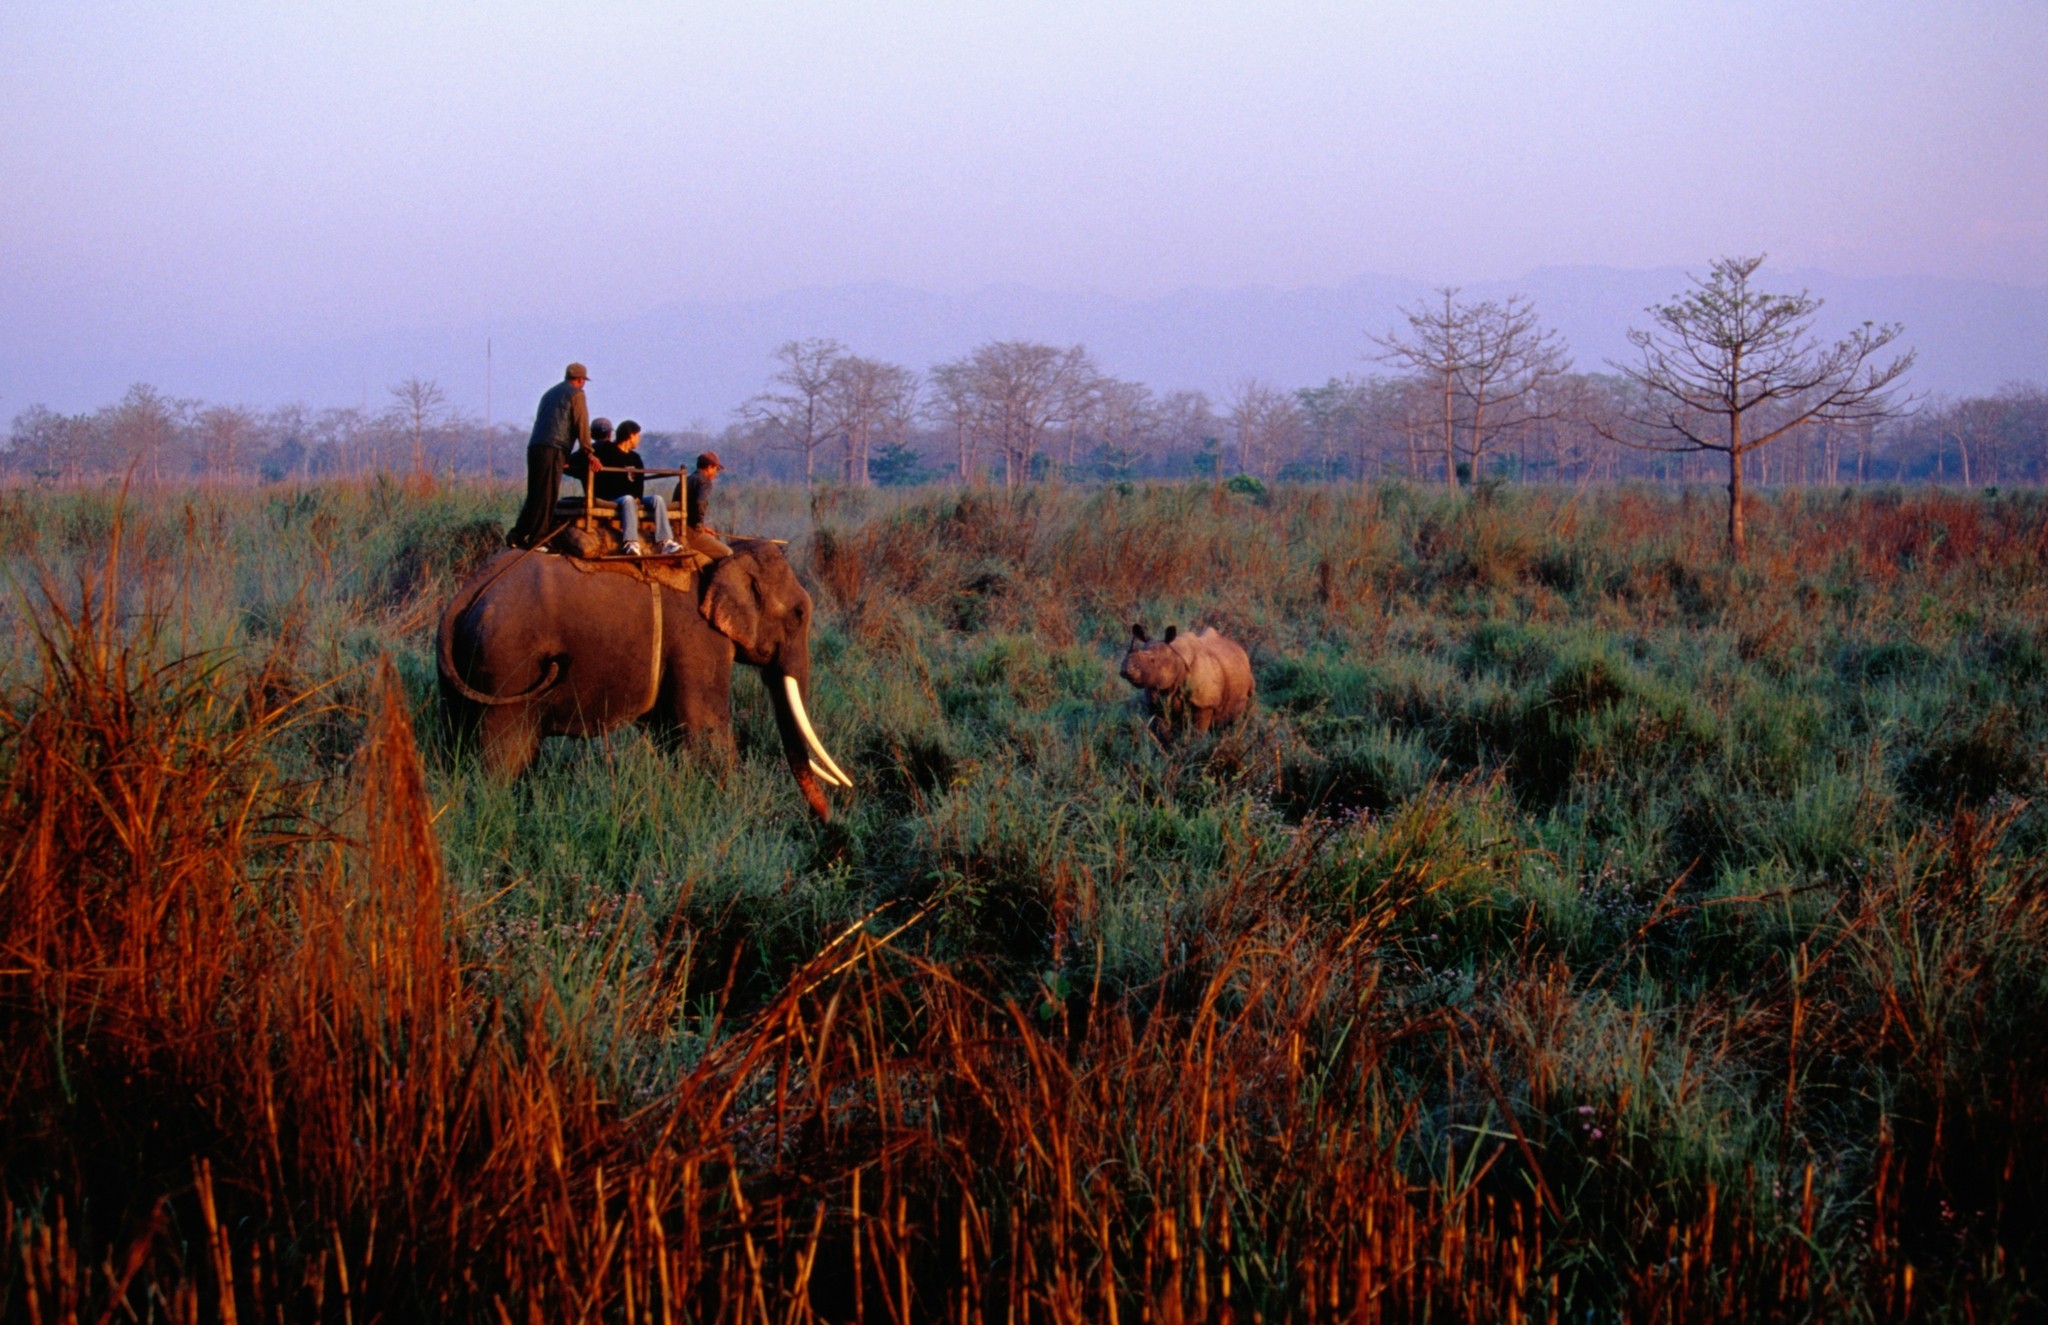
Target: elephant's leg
point(459, 717)
point(700, 704)
point(510, 739)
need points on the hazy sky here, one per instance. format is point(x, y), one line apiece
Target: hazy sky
point(231, 170)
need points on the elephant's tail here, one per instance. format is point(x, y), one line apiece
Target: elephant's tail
point(446, 645)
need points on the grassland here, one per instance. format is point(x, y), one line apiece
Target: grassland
point(1581, 927)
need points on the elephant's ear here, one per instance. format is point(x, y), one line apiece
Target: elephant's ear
point(731, 604)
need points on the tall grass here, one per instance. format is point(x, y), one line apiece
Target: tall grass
point(1580, 925)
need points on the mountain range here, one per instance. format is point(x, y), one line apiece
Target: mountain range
point(692, 364)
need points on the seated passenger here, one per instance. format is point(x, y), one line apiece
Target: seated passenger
point(626, 490)
point(578, 466)
point(695, 494)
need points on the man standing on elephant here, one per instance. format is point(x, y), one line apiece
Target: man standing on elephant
point(696, 495)
point(560, 426)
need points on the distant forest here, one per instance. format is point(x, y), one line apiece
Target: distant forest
point(1502, 405)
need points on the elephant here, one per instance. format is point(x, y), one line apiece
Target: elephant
point(1204, 677)
point(534, 646)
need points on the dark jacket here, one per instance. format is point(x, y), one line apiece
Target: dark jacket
point(563, 418)
point(612, 485)
point(697, 501)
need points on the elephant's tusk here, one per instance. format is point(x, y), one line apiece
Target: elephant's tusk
point(803, 722)
point(825, 775)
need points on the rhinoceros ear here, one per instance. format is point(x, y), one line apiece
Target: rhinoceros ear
point(1138, 632)
point(1171, 631)
point(732, 605)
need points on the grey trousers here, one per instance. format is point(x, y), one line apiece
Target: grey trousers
point(629, 518)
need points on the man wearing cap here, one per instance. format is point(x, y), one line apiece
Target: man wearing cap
point(560, 426)
point(698, 534)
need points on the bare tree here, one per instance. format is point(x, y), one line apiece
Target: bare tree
point(1399, 416)
point(1975, 425)
point(418, 406)
point(1011, 394)
point(899, 416)
point(2019, 444)
point(1335, 418)
point(49, 446)
point(1573, 418)
point(142, 429)
point(1487, 363)
point(1264, 423)
point(862, 396)
point(1186, 424)
point(797, 415)
point(958, 409)
point(1728, 368)
point(1079, 411)
point(1124, 421)
point(226, 433)
point(345, 439)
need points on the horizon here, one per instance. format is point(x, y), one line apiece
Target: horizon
point(196, 184)
point(689, 365)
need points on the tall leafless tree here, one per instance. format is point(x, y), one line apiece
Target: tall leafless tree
point(143, 429)
point(1264, 423)
point(346, 438)
point(1186, 422)
point(1078, 415)
point(1568, 436)
point(1123, 419)
point(1486, 362)
point(1729, 368)
point(798, 415)
point(899, 417)
point(226, 433)
point(1334, 416)
point(861, 397)
point(957, 408)
point(418, 404)
point(1012, 394)
point(49, 446)
point(1974, 424)
point(1400, 417)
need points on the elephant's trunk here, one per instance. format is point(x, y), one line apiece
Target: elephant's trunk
point(814, 795)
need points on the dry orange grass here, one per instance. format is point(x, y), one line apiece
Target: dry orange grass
point(253, 1079)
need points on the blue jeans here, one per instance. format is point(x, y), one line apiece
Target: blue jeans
point(629, 518)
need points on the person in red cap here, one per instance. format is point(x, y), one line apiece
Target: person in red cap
point(698, 534)
point(560, 426)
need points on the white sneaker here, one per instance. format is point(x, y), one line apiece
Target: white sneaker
point(667, 547)
point(631, 550)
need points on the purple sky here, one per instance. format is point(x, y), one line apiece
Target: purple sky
point(183, 175)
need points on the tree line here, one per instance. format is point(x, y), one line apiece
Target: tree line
point(149, 437)
point(1457, 391)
